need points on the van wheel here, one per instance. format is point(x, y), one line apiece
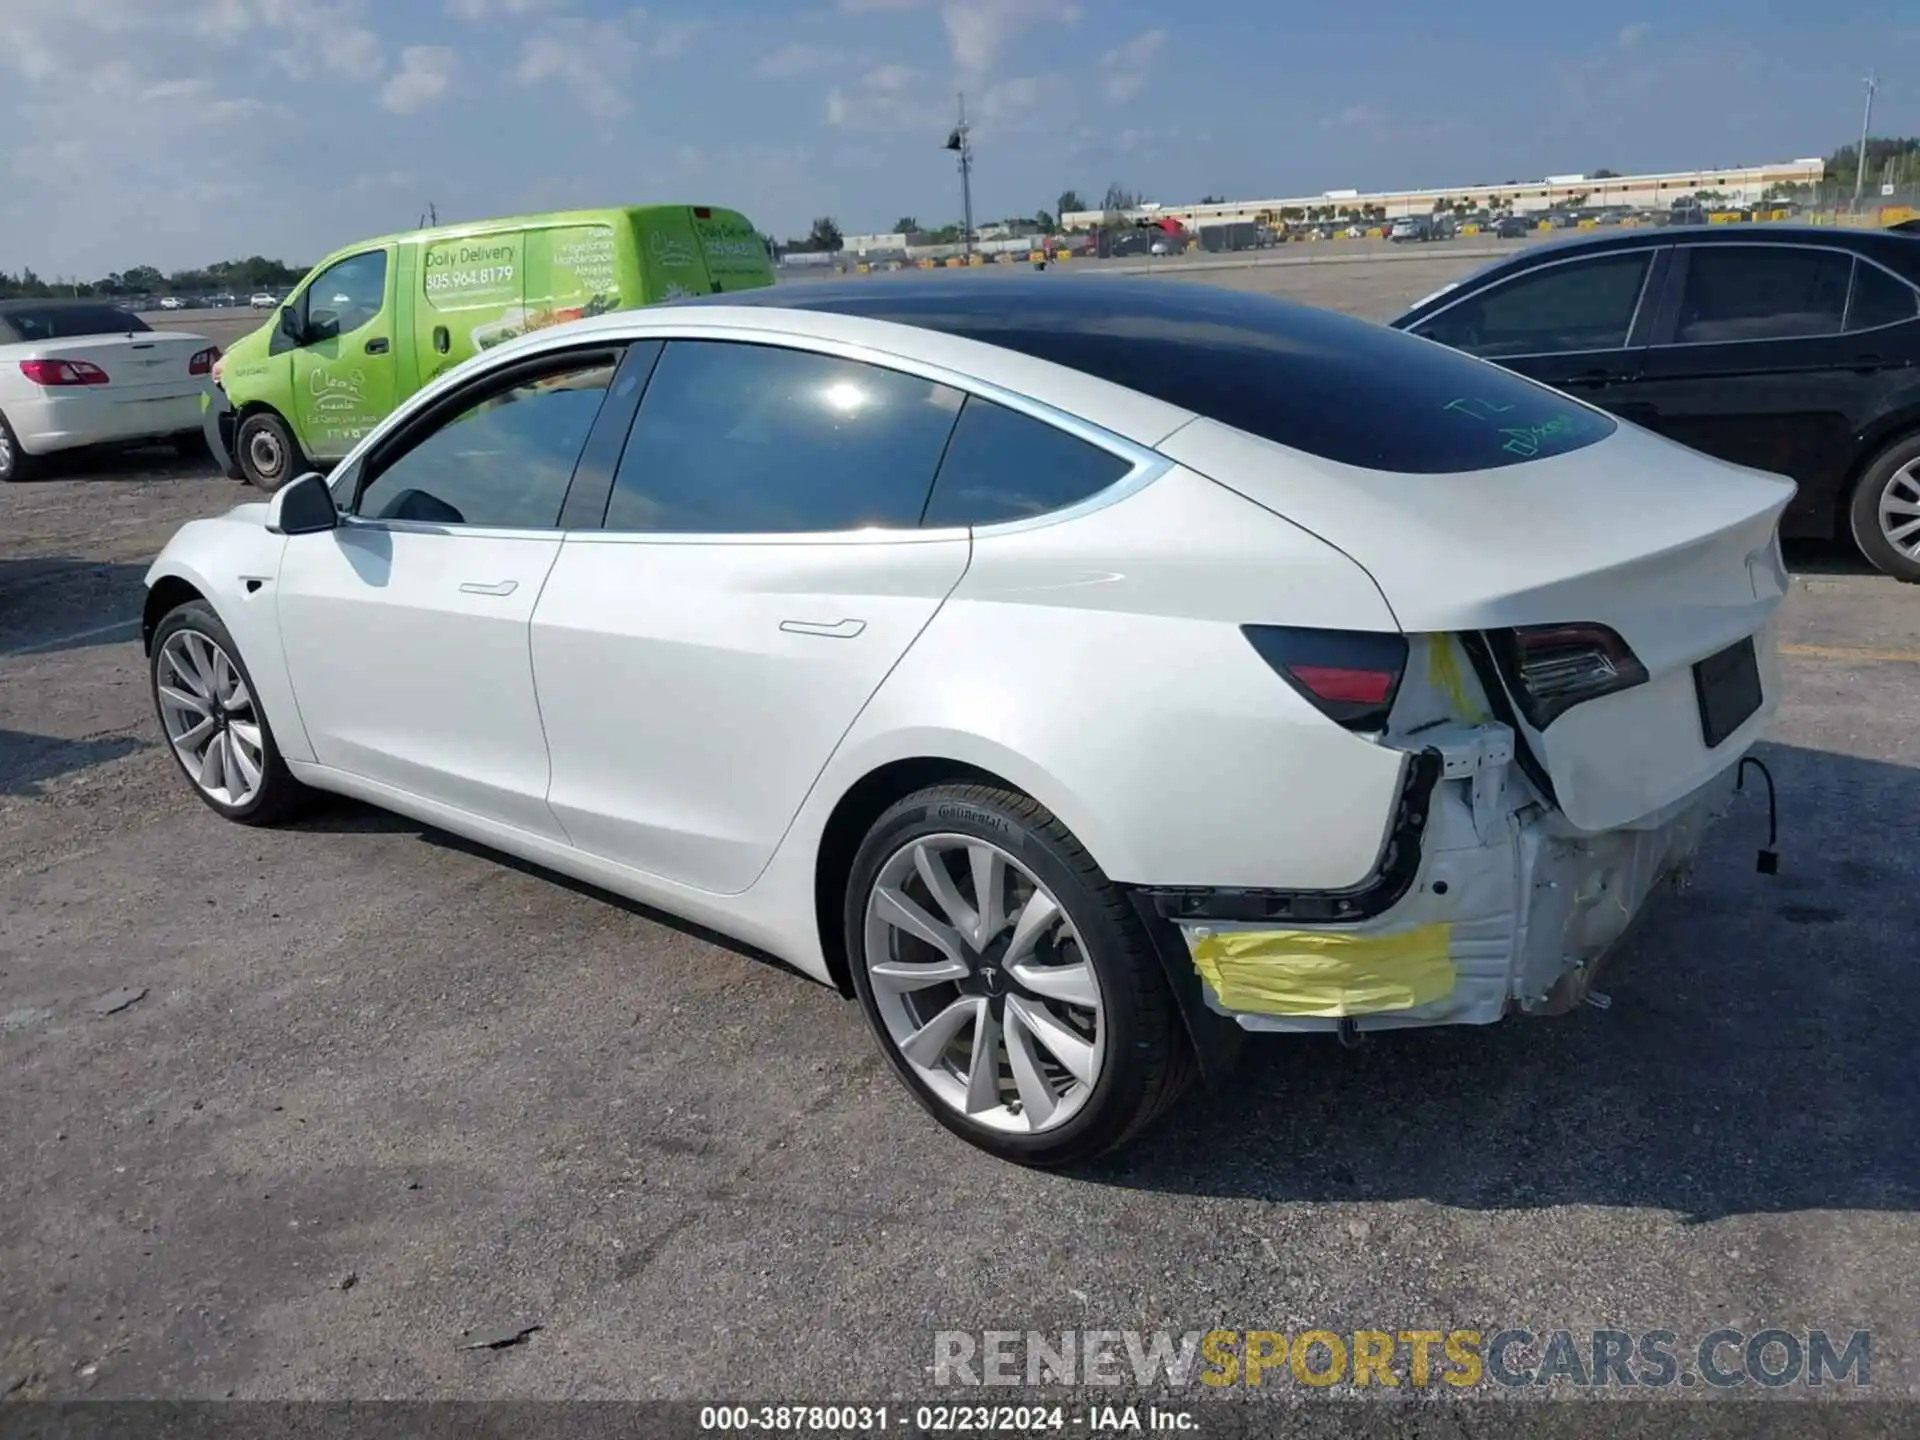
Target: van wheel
point(1885, 510)
point(15, 463)
point(269, 455)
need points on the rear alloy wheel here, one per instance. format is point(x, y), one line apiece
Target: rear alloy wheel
point(213, 723)
point(1885, 512)
point(269, 455)
point(1007, 978)
point(15, 463)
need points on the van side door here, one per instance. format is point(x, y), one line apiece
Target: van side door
point(471, 297)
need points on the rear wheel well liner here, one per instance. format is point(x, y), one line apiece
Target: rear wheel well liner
point(865, 801)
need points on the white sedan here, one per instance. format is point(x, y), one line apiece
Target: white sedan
point(1082, 675)
point(263, 301)
point(83, 372)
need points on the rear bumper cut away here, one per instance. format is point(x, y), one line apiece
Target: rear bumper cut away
point(218, 421)
point(1504, 908)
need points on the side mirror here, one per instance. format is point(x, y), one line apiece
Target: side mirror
point(302, 507)
point(290, 325)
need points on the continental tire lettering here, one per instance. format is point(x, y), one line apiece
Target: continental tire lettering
point(973, 813)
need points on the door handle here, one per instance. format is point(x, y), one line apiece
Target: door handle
point(839, 630)
point(442, 341)
point(377, 345)
point(1591, 377)
point(499, 587)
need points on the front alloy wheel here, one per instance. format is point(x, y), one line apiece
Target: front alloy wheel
point(213, 721)
point(983, 984)
point(208, 714)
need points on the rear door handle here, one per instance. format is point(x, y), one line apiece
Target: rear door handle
point(499, 587)
point(839, 630)
point(377, 346)
point(442, 341)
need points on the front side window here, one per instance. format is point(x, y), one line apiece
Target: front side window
point(346, 295)
point(504, 462)
point(1879, 299)
point(1002, 465)
point(1558, 309)
point(1761, 292)
point(752, 440)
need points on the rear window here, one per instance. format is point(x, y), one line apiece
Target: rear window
point(1332, 386)
point(63, 322)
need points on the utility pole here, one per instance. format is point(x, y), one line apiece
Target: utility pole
point(960, 144)
point(1866, 123)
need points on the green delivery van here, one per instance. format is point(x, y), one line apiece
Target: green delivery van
point(374, 322)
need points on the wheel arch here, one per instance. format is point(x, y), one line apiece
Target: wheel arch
point(1901, 426)
point(165, 594)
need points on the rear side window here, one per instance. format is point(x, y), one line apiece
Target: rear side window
point(1879, 299)
point(1762, 292)
point(745, 439)
point(63, 322)
point(1555, 310)
point(1002, 465)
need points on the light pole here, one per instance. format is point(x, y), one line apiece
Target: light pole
point(1866, 123)
point(958, 142)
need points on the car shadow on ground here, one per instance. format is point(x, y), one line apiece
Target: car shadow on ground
point(1757, 1056)
point(51, 603)
point(1825, 557)
point(159, 461)
point(28, 761)
point(336, 815)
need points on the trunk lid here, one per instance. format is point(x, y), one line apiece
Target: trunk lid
point(1674, 551)
point(146, 365)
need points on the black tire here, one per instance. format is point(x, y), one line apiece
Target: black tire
point(15, 463)
point(268, 454)
point(1863, 510)
point(280, 795)
point(1148, 1062)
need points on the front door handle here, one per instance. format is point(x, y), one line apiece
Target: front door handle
point(839, 630)
point(377, 345)
point(499, 587)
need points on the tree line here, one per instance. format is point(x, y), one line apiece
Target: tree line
point(233, 277)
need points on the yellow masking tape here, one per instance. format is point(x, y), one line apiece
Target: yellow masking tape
point(1444, 673)
point(1314, 972)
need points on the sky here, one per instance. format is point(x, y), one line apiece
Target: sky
point(179, 132)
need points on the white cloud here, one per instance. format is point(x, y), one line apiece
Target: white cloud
point(592, 59)
point(426, 73)
point(799, 58)
point(1123, 69)
point(1632, 35)
point(888, 98)
point(979, 31)
point(874, 7)
point(485, 9)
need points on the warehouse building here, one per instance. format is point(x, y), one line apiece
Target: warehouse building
point(1740, 185)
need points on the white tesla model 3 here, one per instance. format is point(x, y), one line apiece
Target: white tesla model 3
point(1082, 673)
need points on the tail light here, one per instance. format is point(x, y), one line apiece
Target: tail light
point(203, 361)
point(1552, 668)
point(1350, 676)
point(63, 372)
point(703, 212)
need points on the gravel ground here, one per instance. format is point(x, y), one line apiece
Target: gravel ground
point(380, 1092)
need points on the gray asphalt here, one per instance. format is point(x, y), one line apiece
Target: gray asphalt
point(382, 1091)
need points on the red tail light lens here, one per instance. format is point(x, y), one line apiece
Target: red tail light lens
point(1552, 668)
point(702, 212)
point(1350, 676)
point(63, 372)
point(202, 361)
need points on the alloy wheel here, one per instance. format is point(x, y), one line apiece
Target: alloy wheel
point(6, 452)
point(1899, 510)
point(210, 718)
point(984, 984)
